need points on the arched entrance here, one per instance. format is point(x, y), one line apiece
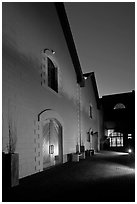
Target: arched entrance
point(51, 135)
point(51, 142)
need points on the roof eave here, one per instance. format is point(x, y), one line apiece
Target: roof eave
point(70, 42)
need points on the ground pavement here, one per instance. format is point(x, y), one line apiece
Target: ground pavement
point(104, 177)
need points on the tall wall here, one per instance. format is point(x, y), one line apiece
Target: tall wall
point(87, 99)
point(27, 29)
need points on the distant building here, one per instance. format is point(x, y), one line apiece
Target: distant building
point(91, 106)
point(49, 109)
point(118, 121)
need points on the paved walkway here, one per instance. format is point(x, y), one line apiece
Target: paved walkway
point(104, 177)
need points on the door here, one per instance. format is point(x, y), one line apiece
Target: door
point(52, 143)
point(95, 141)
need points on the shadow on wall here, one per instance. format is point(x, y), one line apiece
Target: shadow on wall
point(10, 50)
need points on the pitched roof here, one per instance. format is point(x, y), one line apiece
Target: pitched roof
point(70, 42)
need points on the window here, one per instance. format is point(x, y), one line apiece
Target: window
point(52, 76)
point(129, 136)
point(49, 73)
point(115, 138)
point(116, 141)
point(90, 111)
point(109, 132)
point(88, 137)
point(119, 106)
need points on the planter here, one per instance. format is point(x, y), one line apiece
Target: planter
point(75, 157)
point(87, 153)
point(10, 170)
point(92, 151)
point(57, 160)
point(82, 155)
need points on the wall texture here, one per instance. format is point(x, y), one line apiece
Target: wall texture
point(28, 28)
point(88, 99)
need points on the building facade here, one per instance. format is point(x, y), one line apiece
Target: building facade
point(46, 102)
point(90, 106)
point(119, 121)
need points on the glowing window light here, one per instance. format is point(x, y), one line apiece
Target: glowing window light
point(118, 142)
point(129, 136)
point(121, 141)
point(113, 142)
point(110, 132)
point(119, 106)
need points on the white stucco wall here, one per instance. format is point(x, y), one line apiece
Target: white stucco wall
point(87, 99)
point(27, 29)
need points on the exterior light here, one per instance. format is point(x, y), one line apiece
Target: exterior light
point(85, 77)
point(51, 149)
point(129, 150)
point(50, 50)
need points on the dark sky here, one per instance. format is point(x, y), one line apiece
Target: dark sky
point(104, 35)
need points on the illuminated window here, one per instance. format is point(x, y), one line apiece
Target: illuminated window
point(52, 76)
point(129, 136)
point(119, 106)
point(115, 138)
point(110, 132)
point(118, 141)
point(112, 142)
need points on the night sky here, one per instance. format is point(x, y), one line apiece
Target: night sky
point(104, 35)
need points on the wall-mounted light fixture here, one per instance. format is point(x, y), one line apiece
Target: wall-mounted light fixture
point(50, 50)
point(85, 77)
point(51, 149)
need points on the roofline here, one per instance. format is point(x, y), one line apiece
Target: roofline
point(123, 93)
point(93, 79)
point(88, 73)
point(70, 42)
point(96, 89)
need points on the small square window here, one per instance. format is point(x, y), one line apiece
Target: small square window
point(129, 136)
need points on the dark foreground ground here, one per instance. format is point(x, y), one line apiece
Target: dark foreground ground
point(104, 177)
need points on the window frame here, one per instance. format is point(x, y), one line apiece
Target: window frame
point(44, 74)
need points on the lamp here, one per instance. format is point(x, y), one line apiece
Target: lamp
point(50, 50)
point(51, 149)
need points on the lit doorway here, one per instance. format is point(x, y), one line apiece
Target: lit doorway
point(51, 143)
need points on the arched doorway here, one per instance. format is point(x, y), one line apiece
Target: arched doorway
point(51, 142)
point(52, 138)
